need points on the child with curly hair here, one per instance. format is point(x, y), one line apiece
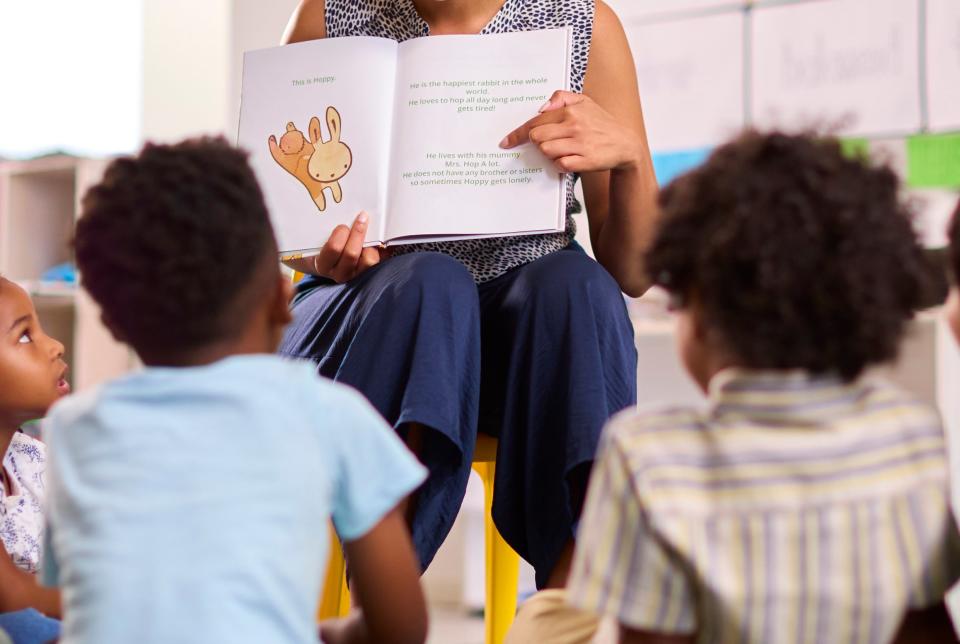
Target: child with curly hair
point(189, 502)
point(32, 378)
point(807, 502)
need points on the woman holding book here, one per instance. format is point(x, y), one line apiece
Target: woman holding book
point(525, 338)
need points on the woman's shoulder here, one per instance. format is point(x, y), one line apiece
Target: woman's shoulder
point(556, 13)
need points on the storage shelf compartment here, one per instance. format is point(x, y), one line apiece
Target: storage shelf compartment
point(39, 217)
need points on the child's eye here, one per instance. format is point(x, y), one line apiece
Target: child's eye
point(25, 338)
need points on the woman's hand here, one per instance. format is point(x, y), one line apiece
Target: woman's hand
point(343, 257)
point(578, 135)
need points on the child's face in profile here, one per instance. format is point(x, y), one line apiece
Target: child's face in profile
point(32, 369)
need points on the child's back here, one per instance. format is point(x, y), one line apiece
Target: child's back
point(794, 509)
point(807, 503)
point(198, 499)
point(190, 502)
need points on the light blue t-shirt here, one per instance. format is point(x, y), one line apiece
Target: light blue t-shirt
point(192, 504)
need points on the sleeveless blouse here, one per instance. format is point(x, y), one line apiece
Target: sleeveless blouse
point(398, 20)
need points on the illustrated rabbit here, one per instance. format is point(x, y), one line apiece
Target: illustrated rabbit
point(316, 163)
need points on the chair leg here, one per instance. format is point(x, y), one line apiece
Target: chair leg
point(502, 568)
point(335, 600)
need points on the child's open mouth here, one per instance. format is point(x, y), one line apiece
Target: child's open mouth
point(63, 387)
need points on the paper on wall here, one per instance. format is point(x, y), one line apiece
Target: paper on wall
point(943, 64)
point(691, 79)
point(629, 9)
point(848, 64)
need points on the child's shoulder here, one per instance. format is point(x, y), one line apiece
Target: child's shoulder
point(646, 433)
point(878, 394)
point(657, 419)
point(23, 446)
point(289, 388)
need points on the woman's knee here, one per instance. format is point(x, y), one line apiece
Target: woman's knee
point(415, 278)
point(569, 276)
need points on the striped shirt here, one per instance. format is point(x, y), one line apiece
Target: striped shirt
point(792, 510)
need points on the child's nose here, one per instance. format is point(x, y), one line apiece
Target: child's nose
point(56, 349)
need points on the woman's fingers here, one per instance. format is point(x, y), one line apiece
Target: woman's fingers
point(552, 132)
point(343, 256)
point(347, 265)
point(551, 112)
point(560, 99)
point(521, 135)
point(326, 260)
point(559, 148)
point(369, 258)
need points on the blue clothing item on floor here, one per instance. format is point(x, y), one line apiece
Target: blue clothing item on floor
point(540, 357)
point(29, 626)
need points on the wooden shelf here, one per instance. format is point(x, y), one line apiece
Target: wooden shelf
point(39, 202)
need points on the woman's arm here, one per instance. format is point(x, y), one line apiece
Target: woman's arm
point(308, 22)
point(621, 204)
point(386, 581)
point(19, 590)
point(601, 135)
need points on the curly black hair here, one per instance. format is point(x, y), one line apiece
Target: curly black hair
point(797, 256)
point(953, 232)
point(169, 241)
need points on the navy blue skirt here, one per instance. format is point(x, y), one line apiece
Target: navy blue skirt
point(539, 357)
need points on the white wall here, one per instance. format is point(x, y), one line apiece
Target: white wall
point(193, 57)
point(256, 24)
point(69, 77)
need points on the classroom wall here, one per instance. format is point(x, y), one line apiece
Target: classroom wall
point(883, 74)
point(193, 58)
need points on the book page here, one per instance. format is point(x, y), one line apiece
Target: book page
point(457, 97)
point(316, 120)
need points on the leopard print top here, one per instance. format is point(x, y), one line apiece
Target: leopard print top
point(486, 259)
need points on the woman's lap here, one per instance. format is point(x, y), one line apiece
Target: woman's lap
point(406, 334)
point(557, 360)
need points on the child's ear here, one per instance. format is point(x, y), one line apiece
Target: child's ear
point(280, 307)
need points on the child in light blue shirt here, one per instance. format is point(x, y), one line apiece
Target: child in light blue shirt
point(189, 502)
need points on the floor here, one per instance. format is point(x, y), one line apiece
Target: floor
point(454, 626)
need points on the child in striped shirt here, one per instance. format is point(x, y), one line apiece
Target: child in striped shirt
point(806, 502)
point(952, 314)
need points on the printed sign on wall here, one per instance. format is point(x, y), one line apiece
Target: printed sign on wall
point(943, 64)
point(691, 79)
point(847, 63)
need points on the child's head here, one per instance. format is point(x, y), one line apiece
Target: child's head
point(32, 369)
point(953, 301)
point(176, 247)
point(781, 253)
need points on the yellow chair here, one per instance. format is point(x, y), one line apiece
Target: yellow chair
point(502, 563)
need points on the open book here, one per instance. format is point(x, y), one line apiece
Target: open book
point(408, 132)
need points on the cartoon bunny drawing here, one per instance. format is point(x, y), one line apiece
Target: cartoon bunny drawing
point(316, 163)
